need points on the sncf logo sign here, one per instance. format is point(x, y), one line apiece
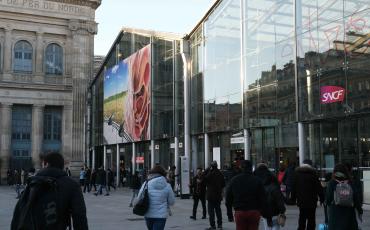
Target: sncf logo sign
point(331, 94)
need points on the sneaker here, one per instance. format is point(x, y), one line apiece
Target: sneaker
point(204, 217)
point(231, 219)
point(219, 227)
point(210, 228)
point(193, 217)
point(106, 194)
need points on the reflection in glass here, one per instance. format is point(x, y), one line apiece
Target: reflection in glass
point(222, 68)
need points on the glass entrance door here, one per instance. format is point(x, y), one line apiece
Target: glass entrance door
point(263, 145)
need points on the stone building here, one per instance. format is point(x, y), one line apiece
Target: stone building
point(46, 61)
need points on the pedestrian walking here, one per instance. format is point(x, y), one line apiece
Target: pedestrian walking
point(68, 171)
point(215, 183)
point(82, 177)
point(93, 180)
point(161, 197)
point(135, 186)
point(198, 189)
point(247, 195)
point(172, 177)
point(274, 198)
point(306, 191)
point(9, 177)
point(281, 174)
point(18, 183)
point(288, 182)
point(87, 186)
point(343, 199)
point(51, 199)
point(101, 180)
point(229, 174)
point(123, 176)
point(110, 179)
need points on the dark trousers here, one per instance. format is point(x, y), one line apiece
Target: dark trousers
point(87, 186)
point(92, 184)
point(155, 223)
point(307, 219)
point(229, 211)
point(247, 220)
point(195, 205)
point(214, 207)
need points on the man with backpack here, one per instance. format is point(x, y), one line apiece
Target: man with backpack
point(306, 191)
point(50, 200)
point(343, 199)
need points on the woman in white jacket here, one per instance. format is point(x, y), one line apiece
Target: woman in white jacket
point(161, 197)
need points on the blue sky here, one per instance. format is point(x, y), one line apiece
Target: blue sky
point(115, 79)
point(178, 16)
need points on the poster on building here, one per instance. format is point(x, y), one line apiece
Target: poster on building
point(127, 99)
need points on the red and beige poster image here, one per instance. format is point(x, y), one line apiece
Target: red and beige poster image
point(127, 99)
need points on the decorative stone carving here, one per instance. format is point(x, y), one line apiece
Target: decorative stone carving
point(83, 26)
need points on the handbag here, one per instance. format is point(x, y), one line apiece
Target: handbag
point(281, 219)
point(142, 205)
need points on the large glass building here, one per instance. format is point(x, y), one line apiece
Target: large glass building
point(270, 81)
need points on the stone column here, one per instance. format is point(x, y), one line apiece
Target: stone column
point(67, 133)
point(7, 54)
point(81, 70)
point(37, 133)
point(6, 130)
point(39, 60)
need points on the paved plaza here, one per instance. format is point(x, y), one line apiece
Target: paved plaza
point(112, 213)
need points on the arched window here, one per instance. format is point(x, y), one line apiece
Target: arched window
point(54, 59)
point(23, 57)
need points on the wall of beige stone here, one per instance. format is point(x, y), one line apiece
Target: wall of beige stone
point(71, 24)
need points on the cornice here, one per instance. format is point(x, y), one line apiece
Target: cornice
point(90, 3)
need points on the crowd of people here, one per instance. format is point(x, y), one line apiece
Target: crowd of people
point(251, 194)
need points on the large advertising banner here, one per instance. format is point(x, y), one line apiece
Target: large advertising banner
point(127, 99)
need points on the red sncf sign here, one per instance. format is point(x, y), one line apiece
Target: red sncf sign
point(331, 94)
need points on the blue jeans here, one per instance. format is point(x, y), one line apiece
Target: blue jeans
point(155, 223)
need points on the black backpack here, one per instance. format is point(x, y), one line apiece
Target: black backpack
point(37, 208)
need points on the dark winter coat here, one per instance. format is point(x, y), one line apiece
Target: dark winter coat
point(101, 177)
point(215, 182)
point(198, 187)
point(136, 183)
point(246, 192)
point(88, 176)
point(274, 197)
point(289, 176)
point(71, 202)
point(307, 187)
point(342, 218)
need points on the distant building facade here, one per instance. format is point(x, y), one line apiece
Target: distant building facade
point(46, 60)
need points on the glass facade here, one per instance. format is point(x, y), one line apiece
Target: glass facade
point(257, 69)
